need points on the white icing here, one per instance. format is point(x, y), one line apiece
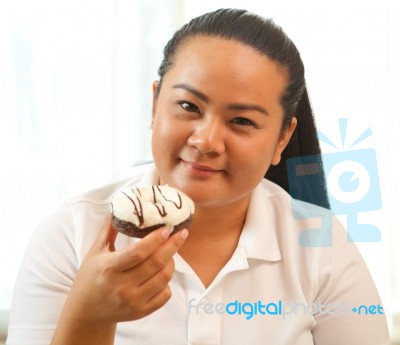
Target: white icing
point(136, 205)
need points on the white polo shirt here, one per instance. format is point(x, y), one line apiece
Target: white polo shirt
point(278, 288)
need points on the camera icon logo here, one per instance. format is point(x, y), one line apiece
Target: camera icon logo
point(352, 185)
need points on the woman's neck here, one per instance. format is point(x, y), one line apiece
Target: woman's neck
point(218, 221)
point(213, 238)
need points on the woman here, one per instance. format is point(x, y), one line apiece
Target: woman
point(231, 97)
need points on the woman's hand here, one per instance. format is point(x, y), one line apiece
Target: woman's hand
point(113, 286)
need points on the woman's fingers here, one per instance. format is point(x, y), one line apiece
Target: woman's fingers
point(135, 253)
point(153, 293)
point(156, 283)
point(157, 301)
point(158, 260)
point(105, 239)
point(153, 251)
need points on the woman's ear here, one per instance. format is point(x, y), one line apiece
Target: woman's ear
point(283, 141)
point(155, 86)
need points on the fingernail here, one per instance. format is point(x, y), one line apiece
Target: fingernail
point(165, 233)
point(184, 234)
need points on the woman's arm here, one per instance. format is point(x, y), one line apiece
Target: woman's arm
point(60, 300)
point(113, 286)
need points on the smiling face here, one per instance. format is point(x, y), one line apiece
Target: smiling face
point(217, 121)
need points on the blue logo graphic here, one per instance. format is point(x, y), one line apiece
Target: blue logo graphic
point(279, 308)
point(352, 184)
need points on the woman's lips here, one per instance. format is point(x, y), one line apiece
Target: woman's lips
point(200, 169)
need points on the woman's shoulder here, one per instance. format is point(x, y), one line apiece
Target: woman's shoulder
point(138, 175)
point(307, 225)
point(300, 209)
point(76, 223)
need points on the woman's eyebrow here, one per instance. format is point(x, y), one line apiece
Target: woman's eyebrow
point(231, 106)
point(247, 106)
point(192, 90)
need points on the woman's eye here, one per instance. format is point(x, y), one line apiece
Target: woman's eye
point(243, 121)
point(189, 107)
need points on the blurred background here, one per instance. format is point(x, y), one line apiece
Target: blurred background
point(75, 104)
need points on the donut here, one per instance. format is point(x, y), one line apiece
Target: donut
point(138, 211)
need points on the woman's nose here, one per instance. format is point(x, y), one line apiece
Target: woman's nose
point(208, 137)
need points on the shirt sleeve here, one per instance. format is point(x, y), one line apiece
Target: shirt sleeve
point(45, 278)
point(352, 312)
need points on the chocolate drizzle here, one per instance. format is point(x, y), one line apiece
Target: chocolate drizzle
point(138, 212)
point(160, 208)
point(154, 194)
point(141, 217)
point(176, 205)
point(138, 207)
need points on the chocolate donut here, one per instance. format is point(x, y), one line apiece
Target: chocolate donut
point(138, 211)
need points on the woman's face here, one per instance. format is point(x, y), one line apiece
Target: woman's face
point(217, 121)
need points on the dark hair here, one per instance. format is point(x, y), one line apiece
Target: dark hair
point(265, 37)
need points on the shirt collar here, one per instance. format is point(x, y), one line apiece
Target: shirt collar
point(259, 237)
